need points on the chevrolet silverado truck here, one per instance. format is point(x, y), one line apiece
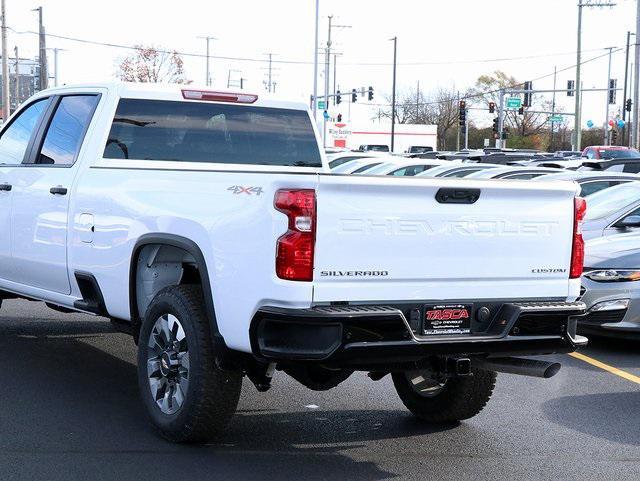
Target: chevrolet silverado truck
point(207, 225)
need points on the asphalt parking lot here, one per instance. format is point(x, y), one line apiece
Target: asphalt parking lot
point(70, 411)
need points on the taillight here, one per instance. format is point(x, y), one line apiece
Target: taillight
point(238, 98)
point(294, 249)
point(577, 251)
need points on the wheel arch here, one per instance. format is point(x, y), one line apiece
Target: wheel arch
point(190, 247)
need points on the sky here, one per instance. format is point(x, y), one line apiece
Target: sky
point(440, 44)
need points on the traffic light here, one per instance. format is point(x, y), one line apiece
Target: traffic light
point(370, 94)
point(492, 107)
point(612, 91)
point(614, 136)
point(339, 118)
point(462, 115)
point(521, 110)
point(627, 105)
point(496, 125)
point(354, 95)
point(528, 86)
point(338, 97)
point(571, 88)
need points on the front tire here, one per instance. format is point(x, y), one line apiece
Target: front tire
point(187, 397)
point(454, 399)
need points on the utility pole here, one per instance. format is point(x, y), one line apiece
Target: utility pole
point(636, 83)
point(314, 103)
point(207, 39)
point(458, 133)
point(417, 101)
point(16, 84)
point(624, 94)
point(578, 124)
point(44, 75)
point(553, 106)
point(5, 65)
point(499, 142)
point(327, 73)
point(270, 73)
point(606, 114)
point(393, 94)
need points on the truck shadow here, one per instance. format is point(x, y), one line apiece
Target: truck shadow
point(577, 413)
point(70, 393)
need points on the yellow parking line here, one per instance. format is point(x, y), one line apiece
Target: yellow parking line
point(606, 367)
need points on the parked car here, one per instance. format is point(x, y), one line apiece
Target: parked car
point(591, 182)
point(336, 160)
point(455, 170)
point(517, 173)
point(612, 290)
point(363, 163)
point(567, 153)
point(598, 152)
point(373, 148)
point(615, 210)
point(628, 165)
point(404, 167)
point(419, 149)
point(205, 224)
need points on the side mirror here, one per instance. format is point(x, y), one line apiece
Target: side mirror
point(628, 222)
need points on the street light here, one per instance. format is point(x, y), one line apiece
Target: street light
point(393, 93)
point(207, 39)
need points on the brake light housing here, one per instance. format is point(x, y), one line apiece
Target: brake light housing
point(212, 96)
point(295, 248)
point(577, 249)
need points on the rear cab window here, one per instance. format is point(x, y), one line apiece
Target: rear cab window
point(211, 132)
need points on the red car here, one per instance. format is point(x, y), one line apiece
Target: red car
point(609, 152)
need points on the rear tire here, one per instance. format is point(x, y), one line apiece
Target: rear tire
point(456, 399)
point(187, 397)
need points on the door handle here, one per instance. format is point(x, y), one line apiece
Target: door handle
point(5, 186)
point(457, 196)
point(59, 190)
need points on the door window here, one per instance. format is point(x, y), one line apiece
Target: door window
point(66, 130)
point(16, 137)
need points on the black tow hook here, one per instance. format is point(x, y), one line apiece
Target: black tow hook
point(459, 366)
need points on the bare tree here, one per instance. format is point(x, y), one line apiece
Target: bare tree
point(151, 64)
point(487, 89)
point(439, 108)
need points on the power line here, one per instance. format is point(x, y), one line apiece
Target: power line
point(302, 62)
point(511, 86)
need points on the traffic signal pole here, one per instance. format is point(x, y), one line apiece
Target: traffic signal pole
point(606, 115)
point(624, 95)
point(499, 140)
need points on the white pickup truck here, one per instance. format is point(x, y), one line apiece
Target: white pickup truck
point(206, 224)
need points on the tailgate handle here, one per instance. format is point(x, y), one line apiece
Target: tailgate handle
point(457, 196)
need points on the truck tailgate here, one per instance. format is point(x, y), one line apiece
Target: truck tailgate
point(389, 239)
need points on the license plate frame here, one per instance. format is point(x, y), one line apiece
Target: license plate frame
point(446, 319)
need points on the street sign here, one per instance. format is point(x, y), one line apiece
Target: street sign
point(321, 104)
point(514, 102)
point(555, 119)
point(486, 143)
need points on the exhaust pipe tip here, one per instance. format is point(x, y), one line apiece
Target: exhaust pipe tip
point(552, 370)
point(521, 366)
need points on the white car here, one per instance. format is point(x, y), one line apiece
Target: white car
point(405, 167)
point(206, 224)
point(452, 169)
point(516, 173)
point(357, 165)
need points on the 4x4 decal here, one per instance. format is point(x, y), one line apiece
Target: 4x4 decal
point(238, 189)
